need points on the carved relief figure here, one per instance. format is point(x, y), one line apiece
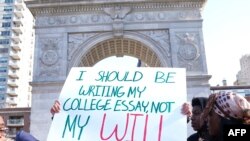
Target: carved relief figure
point(49, 58)
point(75, 40)
point(161, 37)
point(117, 13)
point(188, 51)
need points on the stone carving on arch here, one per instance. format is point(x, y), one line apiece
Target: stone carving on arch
point(101, 39)
point(115, 16)
point(49, 57)
point(161, 37)
point(74, 42)
point(189, 54)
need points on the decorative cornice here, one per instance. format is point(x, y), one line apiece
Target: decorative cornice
point(41, 7)
point(46, 87)
point(102, 18)
point(46, 84)
point(71, 2)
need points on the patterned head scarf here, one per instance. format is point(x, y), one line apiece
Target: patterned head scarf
point(228, 105)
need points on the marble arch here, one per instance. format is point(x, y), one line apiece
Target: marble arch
point(68, 33)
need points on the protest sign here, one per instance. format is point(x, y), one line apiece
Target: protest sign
point(138, 104)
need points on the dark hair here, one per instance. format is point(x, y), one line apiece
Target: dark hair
point(199, 101)
point(203, 131)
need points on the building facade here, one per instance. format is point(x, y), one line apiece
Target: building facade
point(16, 50)
point(16, 119)
point(243, 76)
point(73, 33)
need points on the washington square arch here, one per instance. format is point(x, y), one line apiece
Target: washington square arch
point(80, 33)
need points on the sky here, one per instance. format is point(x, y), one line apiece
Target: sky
point(226, 33)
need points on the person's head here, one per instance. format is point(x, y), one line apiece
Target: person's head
point(3, 129)
point(198, 104)
point(225, 108)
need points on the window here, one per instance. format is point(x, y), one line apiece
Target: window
point(6, 24)
point(16, 119)
point(4, 41)
point(2, 96)
point(4, 50)
point(3, 70)
point(5, 33)
point(2, 88)
point(8, 8)
point(2, 79)
point(6, 16)
point(3, 60)
point(8, 1)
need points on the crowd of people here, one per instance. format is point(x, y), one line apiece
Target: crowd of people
point(220, 109)
point(207, 115)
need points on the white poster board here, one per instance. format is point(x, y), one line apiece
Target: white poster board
point(138, 104)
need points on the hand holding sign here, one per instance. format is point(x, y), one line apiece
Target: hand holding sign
point(55, 108)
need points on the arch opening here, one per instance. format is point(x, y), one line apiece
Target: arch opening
point(120, 47)
point(114, 61)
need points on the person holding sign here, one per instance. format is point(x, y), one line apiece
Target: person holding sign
point(225, 109)
point(193, 113)
point(198, 105)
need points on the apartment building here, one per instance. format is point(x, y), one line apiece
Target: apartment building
point(243, 76)
point(16, 50)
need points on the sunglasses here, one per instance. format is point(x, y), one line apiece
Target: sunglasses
point(4, 130)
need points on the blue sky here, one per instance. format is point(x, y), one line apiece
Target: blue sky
point(226, 31)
